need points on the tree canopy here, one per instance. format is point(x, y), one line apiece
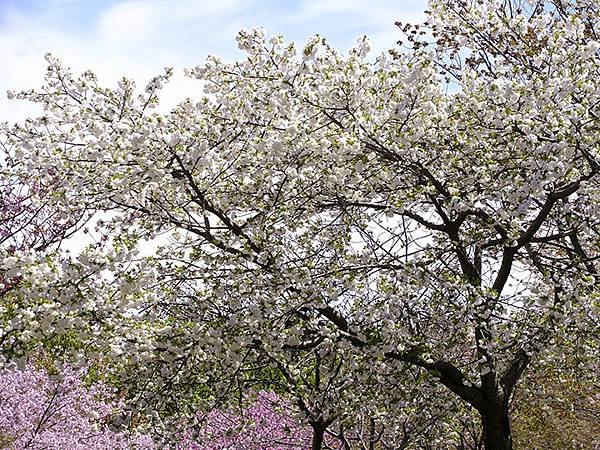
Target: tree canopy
point(357, 231)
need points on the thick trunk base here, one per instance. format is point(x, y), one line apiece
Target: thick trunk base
point(318, 437)
point(496, 429)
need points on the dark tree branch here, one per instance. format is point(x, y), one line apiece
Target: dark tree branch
point(514, 371)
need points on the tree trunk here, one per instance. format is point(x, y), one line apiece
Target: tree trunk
point(496, 428)
point(318, 436)
point(371, 433)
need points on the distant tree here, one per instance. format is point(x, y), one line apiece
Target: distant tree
point(267, 422)
point(557, 408)
point(56, 412)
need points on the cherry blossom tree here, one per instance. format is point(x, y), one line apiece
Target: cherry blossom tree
point(57, 412)
point(341, 221)
point(267, 422)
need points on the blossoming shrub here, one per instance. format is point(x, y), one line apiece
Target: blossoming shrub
point(41, 411)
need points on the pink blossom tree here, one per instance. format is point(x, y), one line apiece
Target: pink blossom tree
point(266, 422)
point(57, 412)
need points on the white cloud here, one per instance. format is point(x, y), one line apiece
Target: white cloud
point(138, 38)
point(129, 21)
point(139, 20)
point(376, 19)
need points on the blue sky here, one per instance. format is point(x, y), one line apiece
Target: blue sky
point(137, 38)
